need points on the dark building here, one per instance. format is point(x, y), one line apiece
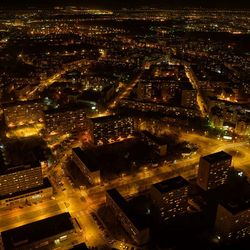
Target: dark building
point(213, 170)
point(87, 165)
point(81, 246)
point(39, 234)
point(158, 143)
point(110, 160)
point(136, 228)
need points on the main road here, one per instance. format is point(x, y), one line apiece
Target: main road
point(81, 202)
point(45, 83)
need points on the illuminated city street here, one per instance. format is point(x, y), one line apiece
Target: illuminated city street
point(125, 126)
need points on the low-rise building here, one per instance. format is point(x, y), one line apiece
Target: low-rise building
point(42, 234)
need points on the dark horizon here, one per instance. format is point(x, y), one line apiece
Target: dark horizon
point(112, 4)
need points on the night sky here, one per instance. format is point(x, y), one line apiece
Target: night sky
point(131, 3)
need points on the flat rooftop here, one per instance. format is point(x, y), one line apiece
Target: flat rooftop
point(124, 206)
point(8, 169)
point(87, 158)
point(115, 157)
point(109, 118)
point(237, 200)
point(158, 140)
point(81, 246)
point(186, 86)
point(237, 205)
point(36, 231)
point(216, 157)
point(171, 184)
point(75, 107)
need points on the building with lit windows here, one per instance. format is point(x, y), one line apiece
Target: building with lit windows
point(23, 113)
point(23, 119)
point(165, 109)
point(43, 234)
point(213, 170)
point(170, 197)
point(22, 183)
point(243, 127)
point(234, 118)
point(71, 121)
point(19, 178)
point(144, 90)
point(233, 219)
point(137, 230)
point(30, 196)
point(188, 96)
point(112, 127)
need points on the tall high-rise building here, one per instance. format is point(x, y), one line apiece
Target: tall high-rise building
point(233, 219)
point(188, 96)
point(170, 197)
point(213, 170)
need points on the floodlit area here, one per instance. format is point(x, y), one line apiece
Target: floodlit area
point(134, 122)
point(26, 131)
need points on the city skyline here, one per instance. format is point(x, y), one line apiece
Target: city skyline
point(110, 4)
point(124, 128)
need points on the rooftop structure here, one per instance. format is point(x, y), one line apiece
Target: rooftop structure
point(216, 157)
point(39, 233)
point(171, 184)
